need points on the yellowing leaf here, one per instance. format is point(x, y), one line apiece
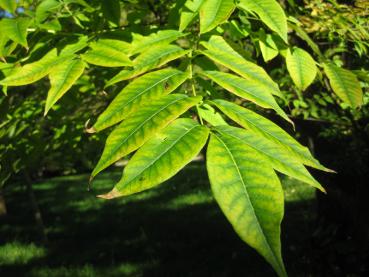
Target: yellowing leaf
point(133, 132)
point(247, 90)
point(16, 29)
point(278, 157)
point(220, 52)
point(62, 78)
point(213, 13)
point(345, 84)
point(142, 43)
point(270, 12)
point(161, 157)
point(301, 67)
point(156, 57)
point(266, 128)
point(250, 195)
point(143, 89)
point(33, 72)
point(108, 53)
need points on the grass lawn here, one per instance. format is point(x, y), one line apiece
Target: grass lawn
point(175, 229)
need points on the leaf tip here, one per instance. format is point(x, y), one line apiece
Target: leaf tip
point(114, 193)
point(89, 130)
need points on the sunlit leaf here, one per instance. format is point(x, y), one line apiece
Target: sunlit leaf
point(250, 195)
point(9, 5)
point(301, 67)
point(162, 157)
point(270, 12)
point(189, 12)
point(345, 84)
point(219, 51)
point(266, 128)
point(278, 157)
point(133, 132)
point(16, 29)
point(214, 13)
point(143, 89)
point(62, 78)
point(247, 90)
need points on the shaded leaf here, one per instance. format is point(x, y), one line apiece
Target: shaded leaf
point(270, 12)
point(214, 13)
point(345, 84)
point(247, 90)
point(278, 157)
point(266, 128)
point(162, 157)
point(62, 78)
point(143, 89)
point(111, 11)
point(133, 132)
point(301, 67)
point(250, 195)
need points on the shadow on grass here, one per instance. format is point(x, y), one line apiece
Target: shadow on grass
point(173, 230)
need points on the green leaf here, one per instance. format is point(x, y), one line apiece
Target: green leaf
point(9, 5)
point(247, 90)
point(162, 157)
point(250, 195)
point(266, 128)
point(270, 12)
point(220, 52)
point(143, 43)
point(214, 13)
point(189, 12)
point(345, 84)
point(268, 47)
point(108, 53)
point(143, 89)
point(111, 11)
point(33, 72)
point(141, 126)
point(16, 29)
point(278, 157)
point(44, 9)
point(301, 67)
point(156, 57)
point(62, 78)
point(209, 114)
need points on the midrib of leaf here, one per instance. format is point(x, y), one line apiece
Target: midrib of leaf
point(144, 122)
point(265, 238)
point(162, 154)
point(148, 88)
point(66, 73)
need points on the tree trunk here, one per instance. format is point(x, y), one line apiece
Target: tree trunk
point(2, 204)
point(36, 209)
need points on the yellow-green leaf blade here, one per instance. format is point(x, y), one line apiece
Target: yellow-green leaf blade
point(221, 52)
point(189, 12)
point(156, 57)
point(278, 157)
point(162, 157)
point(108, 53)
point(8, 5)
point(16, 29)
point(302, 67)
point(213, 13)
point(143, 89)
point(270, 12)
point(247, 90)
point(266, 128)
point(249, 194)
point(62, 78)
point(143, 43)
point(345, 84)
point(141, 126)
point(33, 72)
